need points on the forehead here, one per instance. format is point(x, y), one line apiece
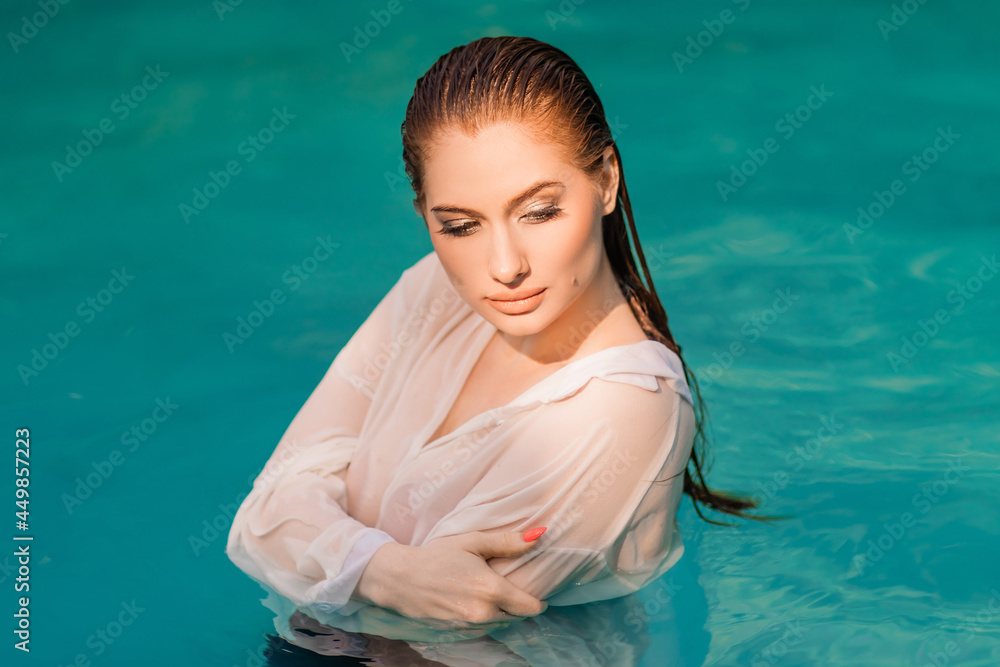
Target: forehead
point(500, 160)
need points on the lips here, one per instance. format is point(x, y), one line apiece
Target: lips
point(517, 303)
point(516, 296)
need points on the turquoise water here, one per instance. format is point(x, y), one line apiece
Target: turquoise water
point(852, 373)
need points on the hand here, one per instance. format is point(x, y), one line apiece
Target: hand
point(448, 580)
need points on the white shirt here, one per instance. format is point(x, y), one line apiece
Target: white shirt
point(577, 452)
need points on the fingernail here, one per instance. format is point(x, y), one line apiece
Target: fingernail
point(534, 534)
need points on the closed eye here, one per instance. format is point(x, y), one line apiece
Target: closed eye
point(544, 214)
point(458, 230)
point(533, 217)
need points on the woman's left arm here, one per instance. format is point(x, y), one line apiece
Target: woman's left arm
point(584, 467)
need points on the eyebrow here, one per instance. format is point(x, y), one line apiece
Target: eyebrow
point(515, 201)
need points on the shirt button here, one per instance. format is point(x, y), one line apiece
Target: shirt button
point(324, 606)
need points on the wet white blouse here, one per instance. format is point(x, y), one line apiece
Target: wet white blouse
point(578, 453)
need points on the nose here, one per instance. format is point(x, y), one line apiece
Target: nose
point(508, 263)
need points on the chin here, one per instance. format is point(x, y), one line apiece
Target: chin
point(528, 324)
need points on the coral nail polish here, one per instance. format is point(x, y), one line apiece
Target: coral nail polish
point(534, 533)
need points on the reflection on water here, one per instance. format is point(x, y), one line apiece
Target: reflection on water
point(661, 625)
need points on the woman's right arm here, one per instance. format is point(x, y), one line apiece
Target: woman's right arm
point(293, 532)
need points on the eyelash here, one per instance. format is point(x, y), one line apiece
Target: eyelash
point(540, 215)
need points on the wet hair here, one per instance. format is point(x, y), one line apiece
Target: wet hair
point(525, 81)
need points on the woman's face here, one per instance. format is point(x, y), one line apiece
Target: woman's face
point(509, 216)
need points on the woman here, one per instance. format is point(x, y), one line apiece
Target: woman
point(520, 376)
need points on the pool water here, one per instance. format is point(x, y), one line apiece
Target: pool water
point(202, 201)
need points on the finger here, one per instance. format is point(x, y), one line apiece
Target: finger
point(517, 602)
point(500, 545)
point(502, 619)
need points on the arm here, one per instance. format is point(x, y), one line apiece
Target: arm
point(584, 467)
point(293, 532)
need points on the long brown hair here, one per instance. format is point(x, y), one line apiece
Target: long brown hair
point(522, 79)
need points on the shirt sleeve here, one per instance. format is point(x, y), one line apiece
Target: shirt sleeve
point(585, 468)
point(293, 533)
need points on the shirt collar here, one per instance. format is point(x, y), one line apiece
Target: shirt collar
point(638, 364)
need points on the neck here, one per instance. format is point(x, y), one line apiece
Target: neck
point(597, 319)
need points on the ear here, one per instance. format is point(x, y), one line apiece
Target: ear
point(416, 209)
point(609, 180)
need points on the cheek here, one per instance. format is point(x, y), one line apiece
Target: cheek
point(458, 265)
point(578, 251)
